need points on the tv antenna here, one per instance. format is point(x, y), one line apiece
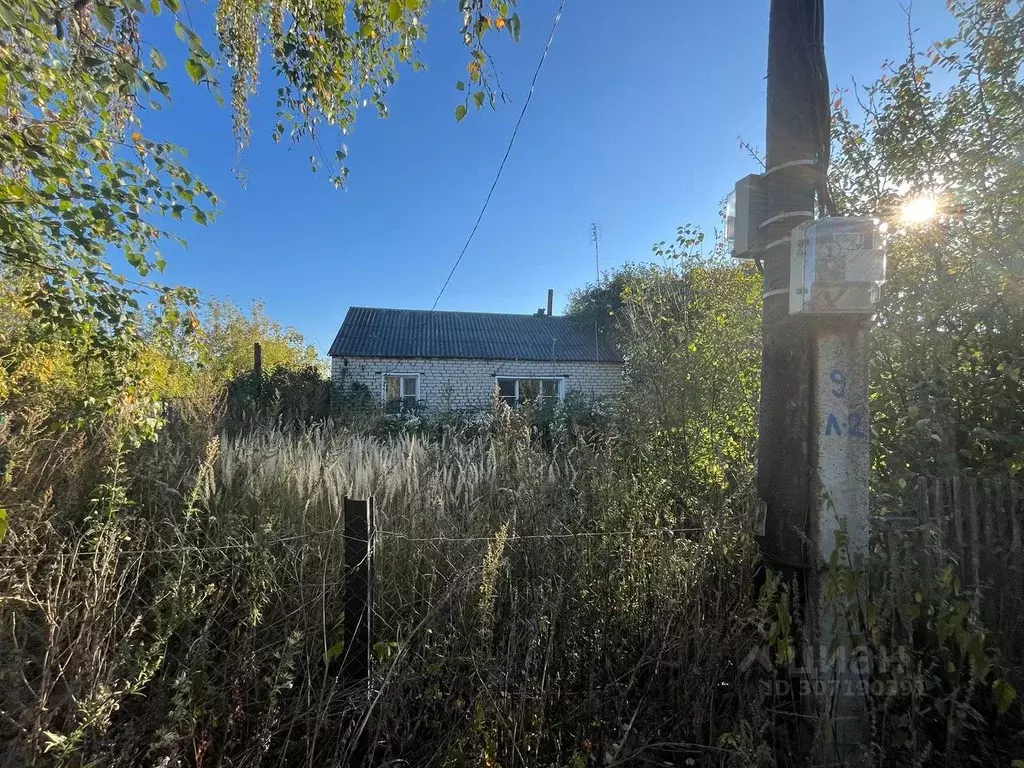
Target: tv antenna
point(595, 238)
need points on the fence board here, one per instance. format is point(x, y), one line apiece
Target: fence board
point(924, 522)
point(992, 512)
point(1015, 521)
point(936, 511)
point(979, 523)
point(958, 519)
point(975, 545)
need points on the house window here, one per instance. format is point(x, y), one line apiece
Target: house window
point(401, 390)
point(514, 391)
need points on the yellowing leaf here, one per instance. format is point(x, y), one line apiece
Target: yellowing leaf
point(1004, 695)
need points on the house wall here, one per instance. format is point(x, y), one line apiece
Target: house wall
point(467, 384)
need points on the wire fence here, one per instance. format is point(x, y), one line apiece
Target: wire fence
point(337, 532)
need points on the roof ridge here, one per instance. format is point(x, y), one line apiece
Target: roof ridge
point(412, 333)
point(457, 312)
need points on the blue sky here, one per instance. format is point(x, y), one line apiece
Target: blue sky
point(634, 124)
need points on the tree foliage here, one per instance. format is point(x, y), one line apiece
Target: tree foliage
point(690, 335)
point(86, 197)
point(331, 58)
point(949, 343)
point(229, 334)
point(81, 189)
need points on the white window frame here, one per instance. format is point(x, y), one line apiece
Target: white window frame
point(560, 380)
point(401, 386)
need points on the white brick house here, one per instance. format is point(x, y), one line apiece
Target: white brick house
point(454, 360)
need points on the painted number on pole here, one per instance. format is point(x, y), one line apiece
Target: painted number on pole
point(855, 425)
point(838, 382)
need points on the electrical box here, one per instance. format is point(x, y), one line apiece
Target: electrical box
point(746, 205)
point(837, 266)
point(730, 222)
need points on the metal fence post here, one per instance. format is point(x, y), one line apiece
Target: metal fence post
point(358, 592)
point(257, 368)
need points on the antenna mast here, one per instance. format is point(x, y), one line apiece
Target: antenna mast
point(595, 237)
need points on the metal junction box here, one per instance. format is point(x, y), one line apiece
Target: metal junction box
point(744, 212)
point(837, 266)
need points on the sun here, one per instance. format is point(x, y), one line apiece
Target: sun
point(919, 210)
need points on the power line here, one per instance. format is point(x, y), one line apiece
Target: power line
point(494, 184)
point(508, 151)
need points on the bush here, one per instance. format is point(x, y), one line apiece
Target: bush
point(286, 396)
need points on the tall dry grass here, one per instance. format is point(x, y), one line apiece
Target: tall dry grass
point(178, 605)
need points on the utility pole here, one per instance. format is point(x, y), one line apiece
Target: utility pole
point(595, 237)
point(783, 479)
point(813, 453)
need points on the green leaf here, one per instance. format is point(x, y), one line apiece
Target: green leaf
point(1004, 695)
point(478, 97)
point(334, 651)
point(460, 86)
point(173, 5)
point(158, 58)
point(460, 112)
point(3, 523)
point(106, 15)
point(515, 26)
point(195, 69)
point(125, 70)
point(382, 650)
point(395, 11)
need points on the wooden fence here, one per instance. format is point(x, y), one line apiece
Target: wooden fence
point(976, 525)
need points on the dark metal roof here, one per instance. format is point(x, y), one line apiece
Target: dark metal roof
point(372, 332)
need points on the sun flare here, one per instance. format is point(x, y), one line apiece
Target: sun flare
point(919, 210)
